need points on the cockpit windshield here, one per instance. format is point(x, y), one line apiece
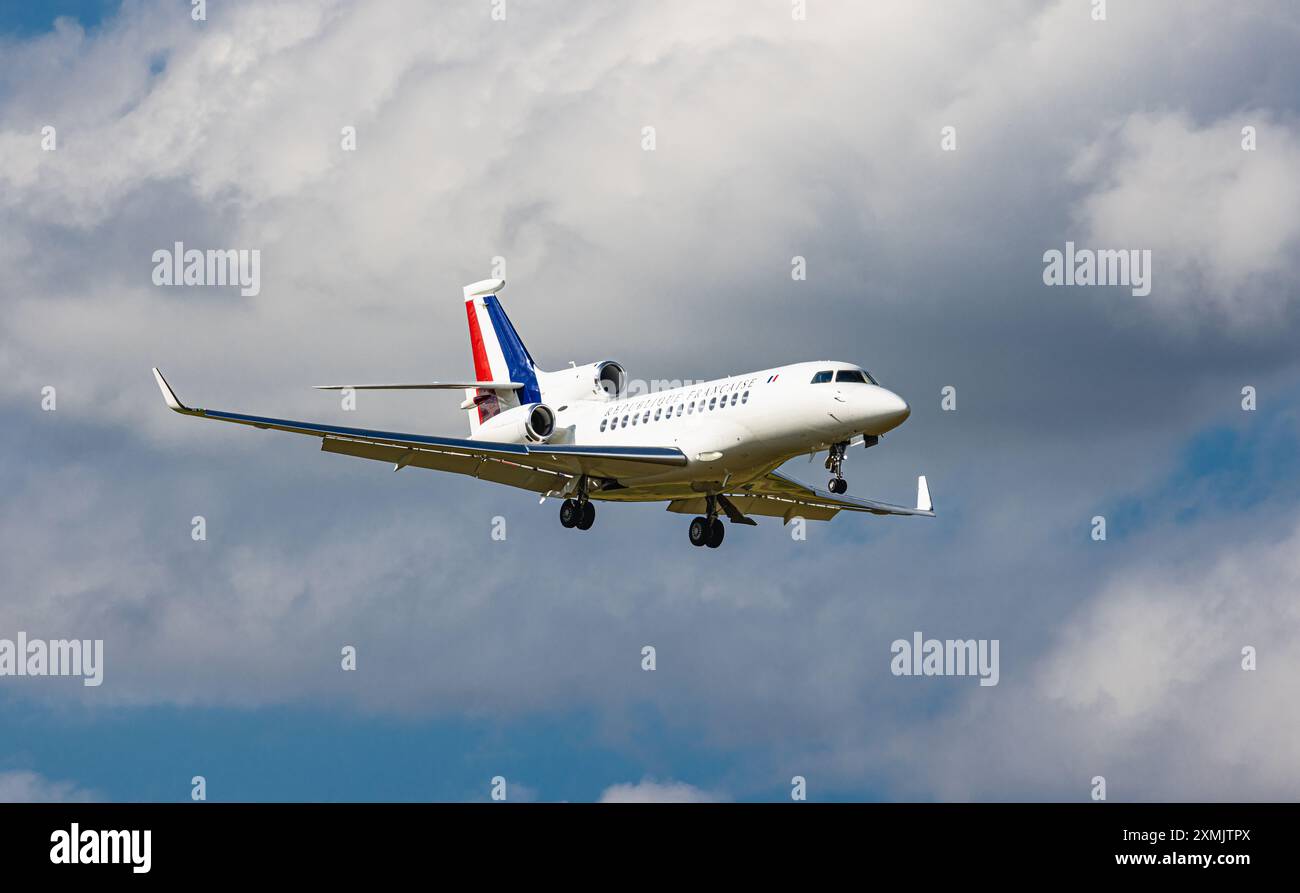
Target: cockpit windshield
point(860, 376)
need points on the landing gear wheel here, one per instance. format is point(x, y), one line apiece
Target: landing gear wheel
point(835, 464)
point(716, 533)
point(587, 516)
point(700, 529)
point(569, 513)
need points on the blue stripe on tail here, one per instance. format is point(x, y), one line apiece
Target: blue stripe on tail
point(518, 360)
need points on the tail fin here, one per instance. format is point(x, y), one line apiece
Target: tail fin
point(499, 355)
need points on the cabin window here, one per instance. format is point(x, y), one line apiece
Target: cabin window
point(624, 425)
point(744, 398)
point(646, 417)
point(603, 423)
point(657, 412)
point(734, 398)
point(680, 407)
point(712, 402)
point(823, 377)
point(690, 407)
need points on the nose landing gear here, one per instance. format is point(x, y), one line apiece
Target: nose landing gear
point(835, 465)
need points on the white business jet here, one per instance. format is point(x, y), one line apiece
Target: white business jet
point(708, 449)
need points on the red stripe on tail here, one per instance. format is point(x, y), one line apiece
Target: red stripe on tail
point(482, 370)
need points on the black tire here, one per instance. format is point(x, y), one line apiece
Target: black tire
point(699, 531)
point(839, 485)
point(587, 516)
point(569, 513)
point(716, 533)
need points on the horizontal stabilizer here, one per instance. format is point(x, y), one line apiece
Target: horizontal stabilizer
point(483, 288)
point(427, 386)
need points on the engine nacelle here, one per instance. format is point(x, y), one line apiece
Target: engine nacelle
point(530, 423)
point(605, 380)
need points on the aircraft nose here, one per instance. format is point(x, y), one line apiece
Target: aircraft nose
point(898, 409)
point(889, 411)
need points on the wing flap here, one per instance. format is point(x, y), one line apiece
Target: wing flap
point(497, 471)
point(765, 506)
point(400, 457)
point(780, 495)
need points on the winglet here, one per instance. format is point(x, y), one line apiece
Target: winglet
point(923, 503)
point(168, 394)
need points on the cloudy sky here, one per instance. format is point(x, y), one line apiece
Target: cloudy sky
point(775, 136)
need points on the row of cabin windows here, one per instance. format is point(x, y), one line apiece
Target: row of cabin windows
point(857, 376)
point(674, 411)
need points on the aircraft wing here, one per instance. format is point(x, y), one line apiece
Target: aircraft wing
point(540, 468)
point(779, 495)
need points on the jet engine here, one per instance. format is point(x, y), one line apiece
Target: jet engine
point(605, 380)
point(530, 423)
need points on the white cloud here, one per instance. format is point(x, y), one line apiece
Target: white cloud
point(647, 791)
point(20, 786)
point(479, 138)
point(1223, 224)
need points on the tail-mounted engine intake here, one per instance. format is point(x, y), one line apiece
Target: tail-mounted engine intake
point(611, 378)
point(605, 380)
point(531, 423)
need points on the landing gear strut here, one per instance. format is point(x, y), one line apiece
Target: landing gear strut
point(579, 513)
point(708, 530)
point(835, 465)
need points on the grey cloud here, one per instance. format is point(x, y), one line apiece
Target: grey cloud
point(522, 139)
point(1144, 684)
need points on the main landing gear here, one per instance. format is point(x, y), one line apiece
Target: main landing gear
point(708, 530)
point(835, 465)
point(579, 513)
